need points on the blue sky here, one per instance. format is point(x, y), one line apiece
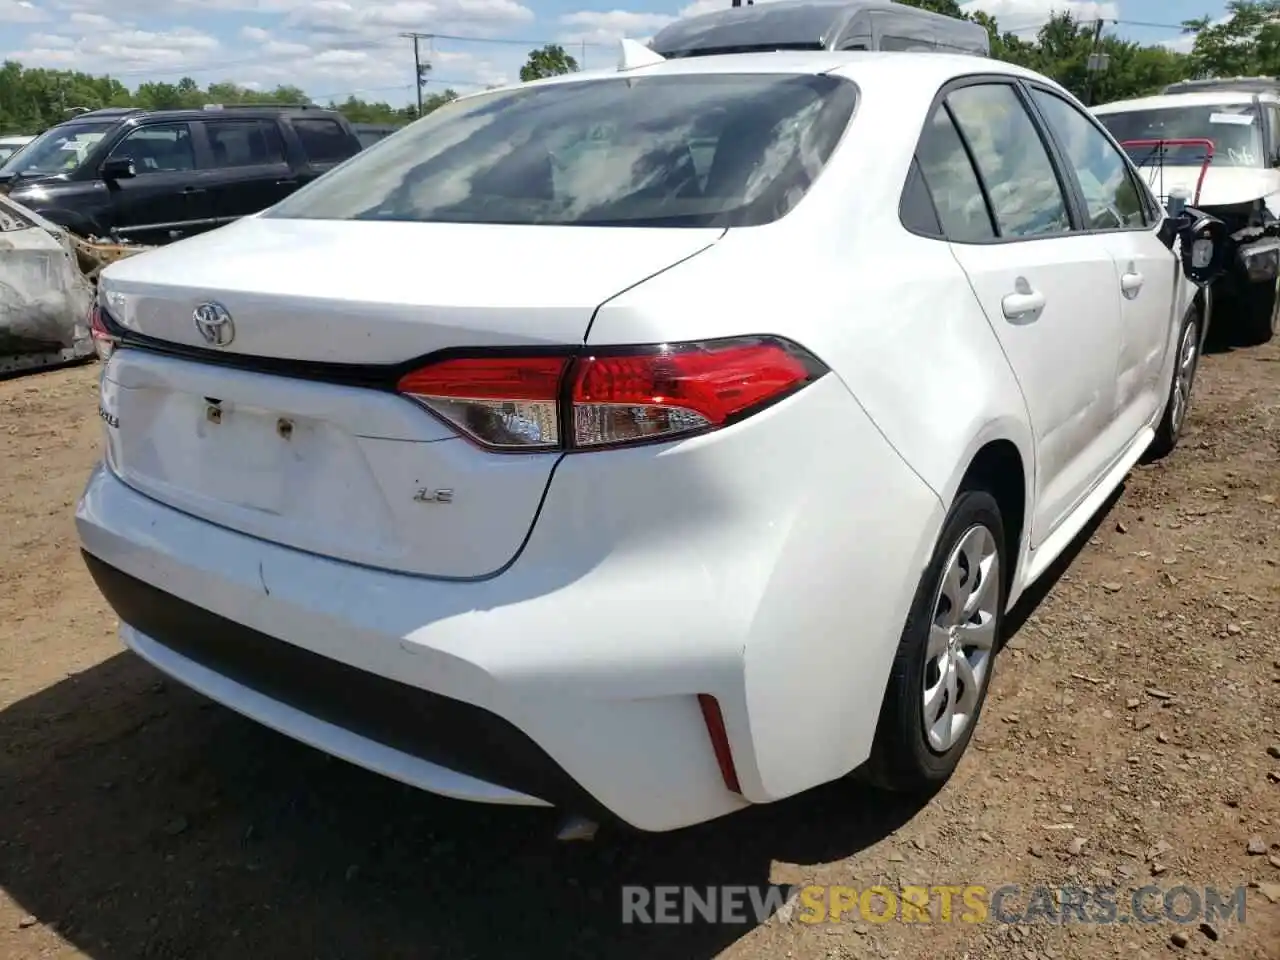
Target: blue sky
point(336, 47)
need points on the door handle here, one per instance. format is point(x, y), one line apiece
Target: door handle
point(1131, 282)
point(287, 183)
point(1023, 303)
point(189, 191)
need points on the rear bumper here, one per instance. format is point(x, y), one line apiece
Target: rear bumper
point(404, 732)
point(325, 653)
point(777, 581)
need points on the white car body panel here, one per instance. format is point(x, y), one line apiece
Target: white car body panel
point(257, 266)
point(1070, 397)
point(1154, 296)
point(587, 599)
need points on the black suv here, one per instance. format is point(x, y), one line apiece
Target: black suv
point(152, 176)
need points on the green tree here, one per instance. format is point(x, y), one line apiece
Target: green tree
point(950, 8)
point(1247, 43)
point(548, 61)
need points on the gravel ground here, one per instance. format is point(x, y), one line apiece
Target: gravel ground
point(1132, 738)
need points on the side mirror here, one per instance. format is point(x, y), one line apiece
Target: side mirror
point(1204, 246)
point(119, 168)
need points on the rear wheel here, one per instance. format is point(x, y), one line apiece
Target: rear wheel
point(1183, 381)
point(947, 651)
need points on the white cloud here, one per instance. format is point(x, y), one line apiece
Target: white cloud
point(91, 21)
point(21, 11)
point(1184, 43)
point(1018, 16)
point(600, 26)
point(118, 51)
point(324, 46)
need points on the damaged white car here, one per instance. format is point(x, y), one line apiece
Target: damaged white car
point(44, 294)
point(1217, 144)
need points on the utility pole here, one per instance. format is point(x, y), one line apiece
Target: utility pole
point(1097, 61)
point(417, 63)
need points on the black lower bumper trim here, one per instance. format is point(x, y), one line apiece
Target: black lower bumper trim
point(441, 730)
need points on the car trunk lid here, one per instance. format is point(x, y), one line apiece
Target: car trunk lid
point(290, 429)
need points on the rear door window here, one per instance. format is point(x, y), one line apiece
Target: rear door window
point(245, 143)
point(1026, 195)
point(323, 140)
point(952, 182)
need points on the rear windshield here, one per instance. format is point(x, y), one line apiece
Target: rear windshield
point(689, 150)
point(1233, 128)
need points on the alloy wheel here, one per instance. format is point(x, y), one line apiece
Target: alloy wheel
point(962, 638)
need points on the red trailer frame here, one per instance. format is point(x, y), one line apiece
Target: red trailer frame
point(1157, 148)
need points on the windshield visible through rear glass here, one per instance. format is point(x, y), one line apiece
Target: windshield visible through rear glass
point(687, 150)
point(1233, 128)
point(59, 150)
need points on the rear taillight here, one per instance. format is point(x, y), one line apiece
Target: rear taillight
point(608, 398)
point(103, 341)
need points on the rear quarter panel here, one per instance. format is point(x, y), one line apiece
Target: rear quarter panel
point(894, 317)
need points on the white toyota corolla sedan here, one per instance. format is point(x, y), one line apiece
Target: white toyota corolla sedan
point(650, 442)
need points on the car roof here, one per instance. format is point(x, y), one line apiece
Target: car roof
point(927, 69)
point(798, 25)
point(200, 113)
point(1209, 98)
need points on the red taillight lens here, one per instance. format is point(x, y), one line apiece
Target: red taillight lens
point(507, 404)
point(624, 398)
point(617, 397)
point(104, 344)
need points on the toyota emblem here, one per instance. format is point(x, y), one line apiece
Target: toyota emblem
point(214, 324)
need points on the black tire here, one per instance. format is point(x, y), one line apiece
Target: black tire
point(902, 758)
point(1169, 431)
point(1259, 314)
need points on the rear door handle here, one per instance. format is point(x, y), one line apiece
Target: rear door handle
point(189, 191)
point(1024, 303)
point(1131, 282)
point(287, 183)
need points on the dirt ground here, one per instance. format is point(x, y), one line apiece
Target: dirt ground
point(1132, 738)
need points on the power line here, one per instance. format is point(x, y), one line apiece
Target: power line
point(343, 94)
point(1094, 20)
point(1158, 26)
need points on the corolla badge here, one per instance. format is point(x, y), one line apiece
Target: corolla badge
point(214, 324)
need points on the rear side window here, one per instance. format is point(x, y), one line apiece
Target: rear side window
point(323, 140)
point(245, 143)
point(956, 191)
point(918, 212)
point(1111, 196)
point(1026, 197)
point(688, 150)
point(906, 43)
